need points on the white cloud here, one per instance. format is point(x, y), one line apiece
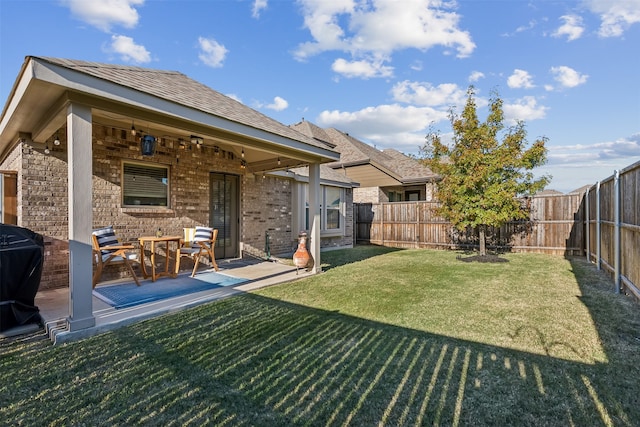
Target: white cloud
point(572, 27)
point(128, 50)
point(616, 15)
point(390, 126)
point(380, 27)
point(525, 109)
point(568, 77)
point(211, 53)
point(523, 28)
point(425, 94)
point(258, 6)
point(278, 104)
point(476, 76)
point(520, 79)
point(568, 163)
point(104, 14)
point(621, 149)
point(363, 68)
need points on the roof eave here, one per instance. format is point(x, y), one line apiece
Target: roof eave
point(92, 89)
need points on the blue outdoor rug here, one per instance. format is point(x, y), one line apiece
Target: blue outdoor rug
point(129, 294)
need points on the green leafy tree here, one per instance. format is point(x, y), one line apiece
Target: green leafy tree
point(483, 177)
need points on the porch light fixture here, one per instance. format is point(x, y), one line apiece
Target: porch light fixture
point(46, 149)
point(133, 129)
point(279, 161)
point(56, 141)
point(242, 153)
point(243, 164)
point(148, 145)
point(196, 140)
point(216, 150)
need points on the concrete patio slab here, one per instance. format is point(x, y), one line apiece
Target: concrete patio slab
point(54, 304)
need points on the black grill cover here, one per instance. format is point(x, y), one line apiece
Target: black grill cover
point(21, 259)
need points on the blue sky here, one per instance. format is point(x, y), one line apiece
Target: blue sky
point(384, 71)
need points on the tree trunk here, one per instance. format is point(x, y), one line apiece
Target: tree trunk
point(483, 244)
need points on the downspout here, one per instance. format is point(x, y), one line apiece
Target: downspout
point(267, 245)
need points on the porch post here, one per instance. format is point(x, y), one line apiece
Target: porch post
point(80, 217)
point(314, 215)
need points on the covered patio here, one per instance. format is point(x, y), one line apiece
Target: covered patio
point(79, 124)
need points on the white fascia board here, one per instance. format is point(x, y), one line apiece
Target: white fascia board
point(25, 78)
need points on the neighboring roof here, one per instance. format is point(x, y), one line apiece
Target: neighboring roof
point(313, 131)
point(153, 90)
point(582, 189)
point(411, 168)
point(549, 192)
point(367, 164)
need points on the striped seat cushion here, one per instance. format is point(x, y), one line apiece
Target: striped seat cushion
point(202, 234)
point(106, 237)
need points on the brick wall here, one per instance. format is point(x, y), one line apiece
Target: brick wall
point(369, 195)
point(267, 209)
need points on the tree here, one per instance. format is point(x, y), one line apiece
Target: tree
point(481, 177)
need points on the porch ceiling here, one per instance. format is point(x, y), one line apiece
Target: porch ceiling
point(369, 175)
point(37, 108)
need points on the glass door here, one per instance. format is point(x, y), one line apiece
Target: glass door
point(224, 213)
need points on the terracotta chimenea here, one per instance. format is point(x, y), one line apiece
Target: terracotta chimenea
point(301, 256)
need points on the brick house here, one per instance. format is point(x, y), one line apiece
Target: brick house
point(383, 176)
point(73, 136)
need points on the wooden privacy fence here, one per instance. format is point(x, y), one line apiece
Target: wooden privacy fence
point(612, 238)
point(557, 225)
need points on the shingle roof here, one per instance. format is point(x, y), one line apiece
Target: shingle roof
point(410, 168)
point(179, 88)
point(354, 151)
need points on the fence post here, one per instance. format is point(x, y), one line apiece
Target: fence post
point(598, 234)
point(616, 232)
point(418, 225)
point(587, 230)
point(382, 223)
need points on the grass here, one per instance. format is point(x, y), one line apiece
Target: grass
point(383, 337)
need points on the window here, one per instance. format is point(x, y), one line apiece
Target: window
point(331, 208)
point(412, 196)
point(395, 196)
point(145, 185)
point(332, 200)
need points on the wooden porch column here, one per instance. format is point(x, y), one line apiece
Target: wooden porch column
point(314, 215)
point(79, 159)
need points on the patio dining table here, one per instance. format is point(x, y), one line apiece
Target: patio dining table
point(153, 241)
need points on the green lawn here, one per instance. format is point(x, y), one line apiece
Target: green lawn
point(382, 337)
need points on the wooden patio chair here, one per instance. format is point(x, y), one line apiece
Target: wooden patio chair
point(107, 250)
point(197, 242)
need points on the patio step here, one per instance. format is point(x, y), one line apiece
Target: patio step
point(54, 327)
